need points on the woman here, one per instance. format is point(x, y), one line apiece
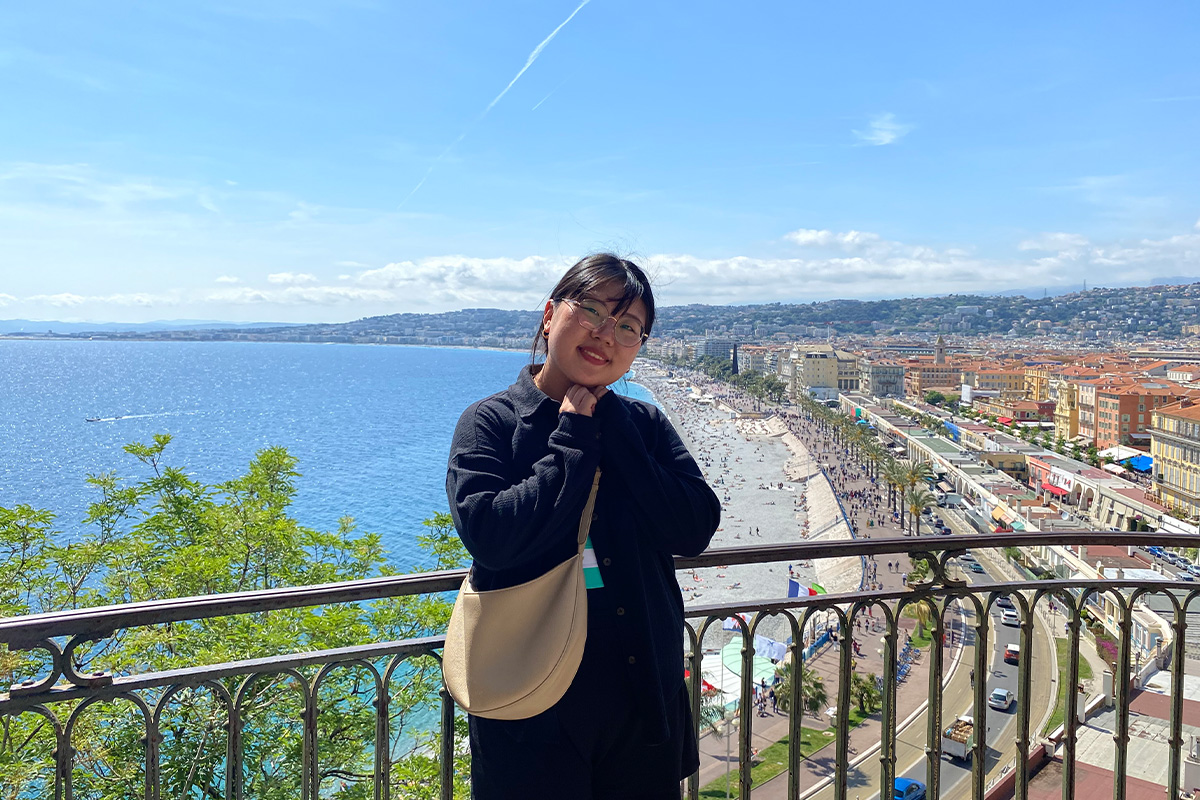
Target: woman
point(521, 468)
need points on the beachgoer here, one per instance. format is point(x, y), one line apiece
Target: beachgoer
point(521, 467)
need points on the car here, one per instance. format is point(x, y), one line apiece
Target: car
point(1001, 699)
point(1012, 653)
point(975, 566)
point(1009, 616)
point(1155, 550)
point(945, 531)
point(1194, 569)
point(907, 789)
point(1004, 601)
point(966, 557)
point(1185, 576)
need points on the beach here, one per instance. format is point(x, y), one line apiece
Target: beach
point(771, 492)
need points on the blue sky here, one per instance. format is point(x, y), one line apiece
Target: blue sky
point(314, 160)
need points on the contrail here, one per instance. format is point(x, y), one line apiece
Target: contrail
point(537, 51)
point(547, 97)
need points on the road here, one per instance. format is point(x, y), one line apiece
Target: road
point(957, 699)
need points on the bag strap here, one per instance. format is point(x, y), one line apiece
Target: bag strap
point(585, 522)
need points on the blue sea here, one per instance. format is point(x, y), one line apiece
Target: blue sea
point(370, 425)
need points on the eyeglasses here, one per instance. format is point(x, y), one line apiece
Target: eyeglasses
point(593, 316)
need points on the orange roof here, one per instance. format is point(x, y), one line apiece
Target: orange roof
point(1184, 412)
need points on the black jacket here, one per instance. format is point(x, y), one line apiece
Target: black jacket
point(518, 478)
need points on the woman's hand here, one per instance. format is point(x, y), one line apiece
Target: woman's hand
point(581, 399)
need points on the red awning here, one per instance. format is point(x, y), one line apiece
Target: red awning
point(1057, 491)
point(1004, 420)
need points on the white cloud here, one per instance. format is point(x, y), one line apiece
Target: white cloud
point(7, 299)
point(850, 240)
point(883, 129)
point(291, 278)
point(1055, 242)
point(228, 279)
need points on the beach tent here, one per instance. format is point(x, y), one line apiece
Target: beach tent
point(731, 659)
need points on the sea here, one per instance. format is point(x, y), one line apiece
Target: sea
point(369, 424)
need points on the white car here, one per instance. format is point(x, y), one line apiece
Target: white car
point(1009, 616)
point(1001, 699)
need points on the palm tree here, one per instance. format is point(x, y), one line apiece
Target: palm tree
point(813, 695)
point(919, 611)
point(893, 474)
point(864, 692)
point(916, 472)
point(917, 500)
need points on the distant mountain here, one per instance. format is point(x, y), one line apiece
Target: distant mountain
point(44, 326)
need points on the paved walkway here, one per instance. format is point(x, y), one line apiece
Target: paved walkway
point(865, 502)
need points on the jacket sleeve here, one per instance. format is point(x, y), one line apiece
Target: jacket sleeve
point(506, 520)
point(661, 477)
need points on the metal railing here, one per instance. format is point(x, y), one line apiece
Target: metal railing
point(64, 696)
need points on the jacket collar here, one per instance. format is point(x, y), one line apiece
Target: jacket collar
point(527, 397)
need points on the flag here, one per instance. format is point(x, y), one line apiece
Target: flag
point(798, 589)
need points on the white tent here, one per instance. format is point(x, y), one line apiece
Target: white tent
point(1115, 469)
point(1121, 452)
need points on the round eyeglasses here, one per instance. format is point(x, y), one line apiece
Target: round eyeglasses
point(593, 316)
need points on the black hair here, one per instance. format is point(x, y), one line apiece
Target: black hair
point(600, 269)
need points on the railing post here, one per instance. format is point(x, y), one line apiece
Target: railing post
point(1121, 688)
point(1070, 722)
point(933, 745)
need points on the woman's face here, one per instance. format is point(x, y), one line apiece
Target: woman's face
point(576, 355)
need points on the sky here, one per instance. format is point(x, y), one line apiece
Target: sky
point(325, 160)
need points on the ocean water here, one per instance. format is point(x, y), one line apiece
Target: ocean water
point(370, 425)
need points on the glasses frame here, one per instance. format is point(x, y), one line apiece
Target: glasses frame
point(574, 304)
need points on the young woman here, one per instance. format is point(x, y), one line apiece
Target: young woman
point(521, 468)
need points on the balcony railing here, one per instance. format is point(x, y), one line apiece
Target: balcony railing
point(957, 614)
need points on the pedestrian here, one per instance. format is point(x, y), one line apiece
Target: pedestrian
point(522, 465)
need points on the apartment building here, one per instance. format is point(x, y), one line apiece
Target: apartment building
point(1123, 413)
point(1175, 447)
point(1066, 410)
point(881, 377)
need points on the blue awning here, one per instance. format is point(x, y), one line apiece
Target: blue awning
point(1142, 463)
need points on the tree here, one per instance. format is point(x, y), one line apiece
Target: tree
point(865, 692)
point(168, 535)
point(935, 398)
point(813, 695)
point(918, 499)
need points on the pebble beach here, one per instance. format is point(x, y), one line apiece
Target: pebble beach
point(771, 492)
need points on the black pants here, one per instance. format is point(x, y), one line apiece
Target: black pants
point(590, 746)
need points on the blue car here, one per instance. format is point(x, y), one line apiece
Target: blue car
point(908, 789)
point(975, 566)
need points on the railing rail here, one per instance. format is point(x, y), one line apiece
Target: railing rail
point(64, 695)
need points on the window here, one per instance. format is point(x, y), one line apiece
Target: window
point(1124, 418)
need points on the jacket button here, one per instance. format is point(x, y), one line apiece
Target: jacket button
point(620, 612)
point(632, 660)
point(607, 562)
point(595, 516)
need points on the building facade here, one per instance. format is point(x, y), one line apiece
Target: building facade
point(1175, 447)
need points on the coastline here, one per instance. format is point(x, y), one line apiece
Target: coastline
point(771, 491)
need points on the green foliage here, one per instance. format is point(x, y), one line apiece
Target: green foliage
point(935, 398)
point(864, 692)
point(168, 535)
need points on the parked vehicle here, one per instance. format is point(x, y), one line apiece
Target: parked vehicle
point(959, 738)
point(908, 789)
point(1185, 576)
point(1001, 699)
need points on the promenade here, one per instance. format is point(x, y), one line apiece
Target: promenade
point(784, 479)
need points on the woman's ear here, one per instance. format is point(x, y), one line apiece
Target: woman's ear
point(547, 315)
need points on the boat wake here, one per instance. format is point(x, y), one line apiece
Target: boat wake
point(139, 416)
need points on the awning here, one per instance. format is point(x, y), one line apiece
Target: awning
point(1142, 463)
point(1000, 515)
point(945, 487)
point(1115, 469)
point(1004, 420)
point(1057, 491)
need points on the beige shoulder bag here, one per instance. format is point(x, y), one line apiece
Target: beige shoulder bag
point(512, 653)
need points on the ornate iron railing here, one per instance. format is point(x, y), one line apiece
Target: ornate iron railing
point(64, 694)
